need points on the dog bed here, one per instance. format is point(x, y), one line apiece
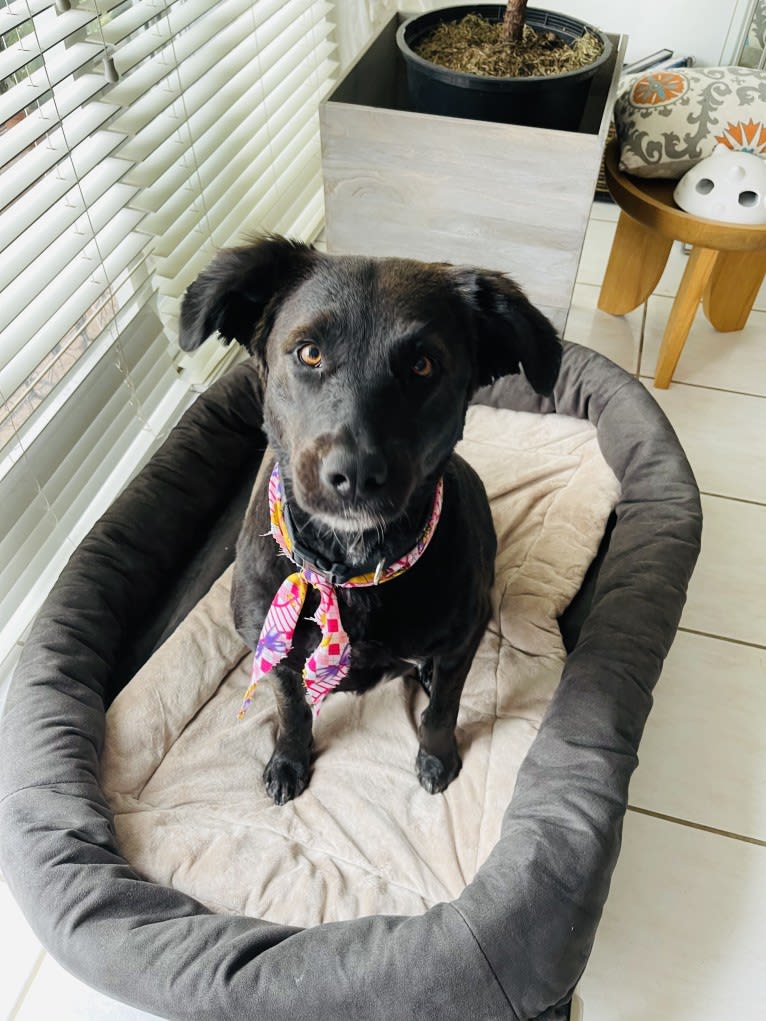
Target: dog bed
point(183, 774)
point(513, 942)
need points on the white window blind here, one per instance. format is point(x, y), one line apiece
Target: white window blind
point(137, 137)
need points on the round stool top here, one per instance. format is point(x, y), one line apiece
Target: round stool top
point(650, 201)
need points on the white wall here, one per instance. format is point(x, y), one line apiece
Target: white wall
point(684, 26)
point(356, 22)
point(708, 30)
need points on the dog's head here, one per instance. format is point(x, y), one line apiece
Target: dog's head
point(367, 365)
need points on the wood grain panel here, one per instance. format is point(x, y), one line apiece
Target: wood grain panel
point(398, 184)
point(503, 196)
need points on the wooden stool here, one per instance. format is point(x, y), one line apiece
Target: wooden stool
point(725, 269)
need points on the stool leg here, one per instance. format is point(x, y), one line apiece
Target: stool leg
point(732, 289)
point(693, 282)
point(636, 262)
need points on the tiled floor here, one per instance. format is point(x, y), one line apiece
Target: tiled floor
point(684, 930)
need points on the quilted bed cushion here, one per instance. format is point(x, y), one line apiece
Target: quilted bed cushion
point(183, 775)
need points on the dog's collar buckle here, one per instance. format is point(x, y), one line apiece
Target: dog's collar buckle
point(335, 574)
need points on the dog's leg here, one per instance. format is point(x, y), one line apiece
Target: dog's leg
point(287, 773)
point(438, 761)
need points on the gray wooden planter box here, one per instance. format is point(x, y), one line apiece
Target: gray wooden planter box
point(501, 196)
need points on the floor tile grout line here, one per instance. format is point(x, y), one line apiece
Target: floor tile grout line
point(641, 336)
point(741, 837)
point(14, 1013)
point(733, 499)
point(707, 386)
point(722, 638)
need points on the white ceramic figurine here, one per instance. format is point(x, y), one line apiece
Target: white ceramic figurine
point(730, 185)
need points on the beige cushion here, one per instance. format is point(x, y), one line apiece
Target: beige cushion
point(667, 121)
point(183, 775)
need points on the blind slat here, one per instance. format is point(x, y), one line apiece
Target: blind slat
point(99, 223)
point(248, 168)
point(132, 20)
point(243, 91)
point(52, 28)
point(55, 188)
point(60, 142)
point(21, 13)
point(80, 196)
point(230, 150)
point(64, 301)
point(71, 59)
point(172, 31)
point(129, 296)
point(225, 54)
point(68, 93)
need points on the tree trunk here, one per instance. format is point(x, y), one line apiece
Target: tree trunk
point(513, 22)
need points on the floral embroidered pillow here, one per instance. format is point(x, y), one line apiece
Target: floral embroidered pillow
point(667, 121)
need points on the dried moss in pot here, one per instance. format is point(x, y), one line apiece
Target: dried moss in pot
point(552, 99)
point(476, 45)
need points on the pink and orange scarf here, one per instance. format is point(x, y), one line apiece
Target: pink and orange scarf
point(328, 664)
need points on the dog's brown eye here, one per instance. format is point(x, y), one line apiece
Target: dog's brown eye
point(310, 355)
point(423, 366)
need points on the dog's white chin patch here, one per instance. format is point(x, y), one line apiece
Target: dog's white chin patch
point(352, 523)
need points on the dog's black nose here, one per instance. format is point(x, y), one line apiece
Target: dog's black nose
point(354, 474)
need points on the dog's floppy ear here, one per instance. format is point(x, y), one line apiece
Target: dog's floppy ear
point(232, 294)
point(509, 330)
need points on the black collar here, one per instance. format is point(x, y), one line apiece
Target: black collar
point(337, 574)
point(302, 557)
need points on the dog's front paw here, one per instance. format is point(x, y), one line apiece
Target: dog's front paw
point(285, 778)
point(435, 774)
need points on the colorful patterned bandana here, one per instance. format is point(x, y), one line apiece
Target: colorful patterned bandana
point(328, 664)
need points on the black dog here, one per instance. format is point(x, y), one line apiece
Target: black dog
point(366, 368)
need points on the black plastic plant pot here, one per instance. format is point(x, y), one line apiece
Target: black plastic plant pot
point(551, 101)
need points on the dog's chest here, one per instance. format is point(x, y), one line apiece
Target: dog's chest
point(394, 622)
point(384, 627)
